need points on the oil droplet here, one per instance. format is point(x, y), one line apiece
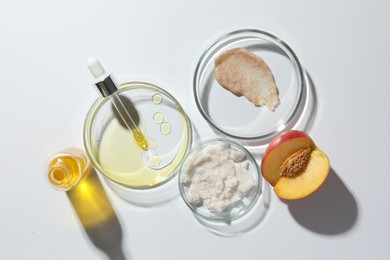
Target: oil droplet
point(158, 117)
point(157, 99)
point(165, 128)
point(154, 160)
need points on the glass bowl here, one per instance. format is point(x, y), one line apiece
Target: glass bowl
point(219, 180)
point(113, 150)
point(235, 116)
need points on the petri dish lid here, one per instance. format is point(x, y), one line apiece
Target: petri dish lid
point(235, 116)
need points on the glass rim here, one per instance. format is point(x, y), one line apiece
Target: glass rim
point(253, 198)
point(212, 49)
point(90, 117)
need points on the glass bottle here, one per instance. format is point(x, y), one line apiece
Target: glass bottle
point(65, 169)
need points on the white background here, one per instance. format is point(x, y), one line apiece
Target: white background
point(46, 91)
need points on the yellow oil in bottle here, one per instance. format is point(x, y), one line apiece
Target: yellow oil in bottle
point(64, 170)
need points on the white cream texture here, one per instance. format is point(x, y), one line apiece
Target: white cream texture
point(217, 177)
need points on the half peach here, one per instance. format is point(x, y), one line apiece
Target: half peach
point(294, 165)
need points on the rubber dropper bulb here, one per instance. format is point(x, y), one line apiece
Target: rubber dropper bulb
point(97, 69)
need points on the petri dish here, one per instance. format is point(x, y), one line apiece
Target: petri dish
point(220, 181)
point(235, 116)
point(112, 149)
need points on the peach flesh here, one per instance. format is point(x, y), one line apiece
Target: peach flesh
point(308, 181)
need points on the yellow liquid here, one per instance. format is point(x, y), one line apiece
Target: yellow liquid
point(154, 160)
point(165, 128)
point(157, 99)
point(140, 139)
point(67, 168)
point(122, 161)
point(158, 117)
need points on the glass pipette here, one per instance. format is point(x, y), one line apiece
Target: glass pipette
point(108, 88)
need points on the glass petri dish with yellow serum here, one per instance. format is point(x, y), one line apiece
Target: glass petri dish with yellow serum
point(116, 154)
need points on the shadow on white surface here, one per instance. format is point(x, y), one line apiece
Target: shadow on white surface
point(331, 210)
point(147, 198)
point(308, 110)
point(97, 216)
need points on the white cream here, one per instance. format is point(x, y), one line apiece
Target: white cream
point(217, 177)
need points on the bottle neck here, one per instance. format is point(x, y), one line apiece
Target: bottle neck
point(64, 170)
point(60, 174)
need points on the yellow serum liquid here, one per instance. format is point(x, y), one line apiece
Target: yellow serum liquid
point(157, 99)
point(123, 162)
point(165, 128)
point(65, 169)
point(158, 117)
point(140, 139)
